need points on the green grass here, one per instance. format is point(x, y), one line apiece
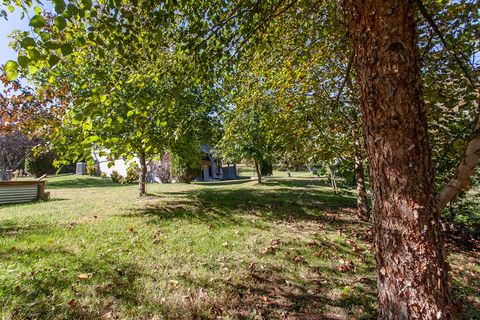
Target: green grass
point(229, 250)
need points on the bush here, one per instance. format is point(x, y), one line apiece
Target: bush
point(184, 170)
point(117, 177)
point(40, 164)
point(266, 168)
point(92, 169)
point(67, 168)
point(132, 173)
point(103, 175)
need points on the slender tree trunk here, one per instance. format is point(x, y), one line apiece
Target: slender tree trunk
point(362, 206)
point(142, 176)
point(333, 179)
point(259, 173)
point(413, 281)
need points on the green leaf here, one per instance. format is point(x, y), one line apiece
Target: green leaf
point(130, 113)
point(27, 42)
point(60, 22)
point(59, 5)
point(51, 45)
point(93, 138)
point(11, 65)
point(11, 8)
point(34, 54)
point(23, 61)
point(37, 21)
point(53, 60)
point(66, 49)
point(11, 69)
point(37, 9)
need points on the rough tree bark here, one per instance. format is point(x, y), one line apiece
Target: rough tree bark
point(259, 173)
point(143, 175)
point(413, 281)
point(362, 206)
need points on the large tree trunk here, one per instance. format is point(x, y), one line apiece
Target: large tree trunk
point(362, 206)
point(259, 173)
point(413, 281)
point(142, 176)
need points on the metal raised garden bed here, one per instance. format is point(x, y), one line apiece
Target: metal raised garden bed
point(21, 191)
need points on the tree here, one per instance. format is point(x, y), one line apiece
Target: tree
point(14, 148)
point(128, 84)
point(413, 280)
point(412, 272)
point(247, 131)
point(24, 119)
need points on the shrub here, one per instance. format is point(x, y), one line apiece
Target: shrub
point(117, 177)
point(132, 173)
point(67, 168)
point(92, 169)
point(40, 164)
point(185, 169)
point(266, 168)
point(103, 175)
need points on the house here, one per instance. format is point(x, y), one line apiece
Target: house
point(211, 169)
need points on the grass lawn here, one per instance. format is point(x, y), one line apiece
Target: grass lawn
point(230, 250)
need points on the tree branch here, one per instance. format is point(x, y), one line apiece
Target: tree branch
point(347, 75)
point(465, 169)
point(437, 31)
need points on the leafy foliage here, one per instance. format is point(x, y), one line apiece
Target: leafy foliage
point(132, 173)
point(40, 164)
point(116, 177)
point(92, 169)
point(185, 167)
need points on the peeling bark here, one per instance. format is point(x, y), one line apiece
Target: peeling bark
point(413, 280)
point(465, 169)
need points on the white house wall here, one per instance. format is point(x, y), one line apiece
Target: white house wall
point(120, 165)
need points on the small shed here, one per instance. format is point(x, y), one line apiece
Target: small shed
point(21, 191)
point(81, 168)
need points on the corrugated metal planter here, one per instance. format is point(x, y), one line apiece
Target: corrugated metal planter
point(21, 191)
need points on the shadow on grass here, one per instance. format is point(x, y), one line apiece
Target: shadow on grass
point(77, 182)
point(270, 294)
point(58, 292)
point(240, 180)
point(11, 228)
point(229, 206)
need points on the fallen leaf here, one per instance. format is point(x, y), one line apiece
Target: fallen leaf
point(173, 284)
point(72, 303)
point(83, 276)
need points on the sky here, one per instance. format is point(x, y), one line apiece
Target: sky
point(14, 22)
point(6, 27)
